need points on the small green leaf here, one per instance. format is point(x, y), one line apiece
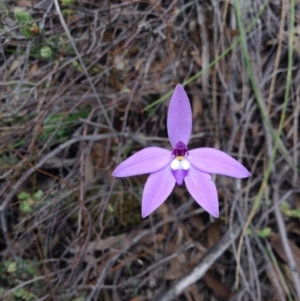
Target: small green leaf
point(38, 195)
point(67, 2)
point(110, 208)
point(45, 52)
point(126, 90)
point(23, 196)
point(22, 16)
point(31, 269)
point(19, 293)
point(263, 233)
point(26, 32)
point(12, 267)
point(26, 206)
point(28, 27)
point(29, 296)
point(77, 66)
point(294, 213)
point(284, 207)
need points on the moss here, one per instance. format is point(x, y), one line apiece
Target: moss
point(129, 210)
point(126, 212)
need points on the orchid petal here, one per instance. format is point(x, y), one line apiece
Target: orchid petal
point(179, 175)
point(179, 122)
point(203, 190)
point(148, 160)
point(157, 188)
point(214, 161)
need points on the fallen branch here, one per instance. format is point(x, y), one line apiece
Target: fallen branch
point(205, 263)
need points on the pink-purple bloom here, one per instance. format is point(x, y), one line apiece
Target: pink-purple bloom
point(167, 168)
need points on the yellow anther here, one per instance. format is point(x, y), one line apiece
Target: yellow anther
point(179, 158)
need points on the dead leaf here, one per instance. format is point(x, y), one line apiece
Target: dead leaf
point(15, 65)
point(164, 210)
point(213, 233)
point(98, 155)
point(180, 235)
point(192, 293)
point(238, 138)
point(178, 264)
point(196, 222)
point(139, 298)
point(118, 241)
point(156, 5)
point(229, 121)
point(255, 129)
point(138, 64)
point(197, 57)
point(232, 33)
point(293, 227)
point(26, 3)
point(202, 249)
point(219, 289)
point(149, 240)
point(119, 62)
point(101, 262)
point(178, 267)
point(33, 69)
point(277, 245)
point(197, 106)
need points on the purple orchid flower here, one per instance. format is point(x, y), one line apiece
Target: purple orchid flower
point(169, 167)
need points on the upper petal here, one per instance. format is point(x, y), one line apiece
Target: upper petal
point(203, 190)
point(179, 117)
point(148, 160)
point(158, 187)
point(214, 161)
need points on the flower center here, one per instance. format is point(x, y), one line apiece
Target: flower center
point(180, 165)
point(180, 150)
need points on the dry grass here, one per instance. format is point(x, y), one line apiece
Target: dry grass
point(76, 77)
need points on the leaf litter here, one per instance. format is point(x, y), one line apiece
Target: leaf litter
point(64, 130)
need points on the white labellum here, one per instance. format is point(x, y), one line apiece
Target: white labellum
point(180, 164)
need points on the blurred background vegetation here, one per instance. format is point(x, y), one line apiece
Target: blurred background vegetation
point(83, 85)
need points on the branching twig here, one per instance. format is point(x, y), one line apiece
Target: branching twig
point(206, 262)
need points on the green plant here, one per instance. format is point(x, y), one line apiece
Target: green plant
point(285, 209)
point(60, 125)
point(23, 294)
point(28, 27)
point(15, 273)
point(262, 233)
point(28, 201)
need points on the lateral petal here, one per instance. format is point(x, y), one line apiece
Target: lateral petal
point(179, 122)
point(203, 190)
point(157, 188)
point(214, 161)
point(147, 160)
